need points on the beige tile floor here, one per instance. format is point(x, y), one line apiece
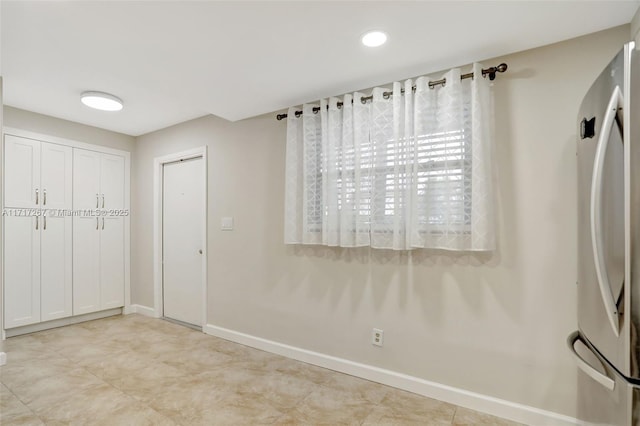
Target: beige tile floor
point(134, 370)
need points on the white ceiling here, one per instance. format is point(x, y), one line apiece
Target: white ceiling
point(174, 61)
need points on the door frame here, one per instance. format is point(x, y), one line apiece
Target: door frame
point(158, 192)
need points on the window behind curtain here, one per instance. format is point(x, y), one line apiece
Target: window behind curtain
point(410, 168)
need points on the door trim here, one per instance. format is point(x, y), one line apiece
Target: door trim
point(158, 176)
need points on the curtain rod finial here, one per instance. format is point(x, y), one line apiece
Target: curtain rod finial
point(493, 70)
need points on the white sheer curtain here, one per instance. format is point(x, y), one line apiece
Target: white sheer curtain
point(403, 170)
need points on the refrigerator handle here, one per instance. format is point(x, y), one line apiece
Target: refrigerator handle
point(604, 380)
point(615, 103)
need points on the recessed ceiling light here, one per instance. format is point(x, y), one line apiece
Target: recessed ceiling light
point(101, 101)
point(374, 38)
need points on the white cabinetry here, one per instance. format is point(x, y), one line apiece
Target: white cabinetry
point(21, 271)
point(37, 233)
point(66, 233)
point(21, 172)
point(98, 241)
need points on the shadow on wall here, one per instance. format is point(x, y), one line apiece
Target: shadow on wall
point(524, 73)
point(425, 257)
point(427, 275)
point(383, 279)
point(505, 195)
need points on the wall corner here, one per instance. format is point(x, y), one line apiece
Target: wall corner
point(635, 27)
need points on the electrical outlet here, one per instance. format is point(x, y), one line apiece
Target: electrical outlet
point(377, 337)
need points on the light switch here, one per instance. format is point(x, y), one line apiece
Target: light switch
point(226, 224)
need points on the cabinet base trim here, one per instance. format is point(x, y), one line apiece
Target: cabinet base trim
point(61, 322)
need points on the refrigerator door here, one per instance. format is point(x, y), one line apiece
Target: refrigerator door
point(602, 244)
point(605, 397)
point(632, 167)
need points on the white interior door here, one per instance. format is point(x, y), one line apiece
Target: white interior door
point(182, 227)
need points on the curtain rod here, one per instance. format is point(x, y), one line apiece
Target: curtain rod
point(432, 84)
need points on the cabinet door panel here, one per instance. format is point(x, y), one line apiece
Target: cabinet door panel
point(21, 172)
point(112, 181)
point(112, 262)
point(56, 174)
point(86, 265)
point(56, 267)
point(21, 271)
point(86, 179)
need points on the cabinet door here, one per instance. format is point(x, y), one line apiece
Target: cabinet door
point(56, 267)
point(21, 270)
point(56, 176)
point(112, 181)
point(86, 264)
point(86, 179)
point(111, 262)
point(21, 172)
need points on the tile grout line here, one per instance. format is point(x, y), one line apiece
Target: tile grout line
point(21, 402)
point(126, 346)
point(133, 398)
point(86, 370)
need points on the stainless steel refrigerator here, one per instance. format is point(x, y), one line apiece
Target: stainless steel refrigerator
point(608, 152)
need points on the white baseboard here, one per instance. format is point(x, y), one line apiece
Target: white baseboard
point(475, 401)
point(140, 309)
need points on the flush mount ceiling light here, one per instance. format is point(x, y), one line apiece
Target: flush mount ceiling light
point(102, 101)
point(374, 38)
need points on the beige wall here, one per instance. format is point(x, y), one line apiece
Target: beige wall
point(495, 324)
point(635, 26)
point(47, 125)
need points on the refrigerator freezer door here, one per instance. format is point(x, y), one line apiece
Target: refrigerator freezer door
point(605, 397)
point(601, 217)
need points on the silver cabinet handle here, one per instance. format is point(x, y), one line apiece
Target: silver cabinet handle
point(44, 197)
point(103, 223)
point(36, 196)
point(97, 201)
point(36, 223)
point(44, 219)
point(103, 201)
point(97, 223)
